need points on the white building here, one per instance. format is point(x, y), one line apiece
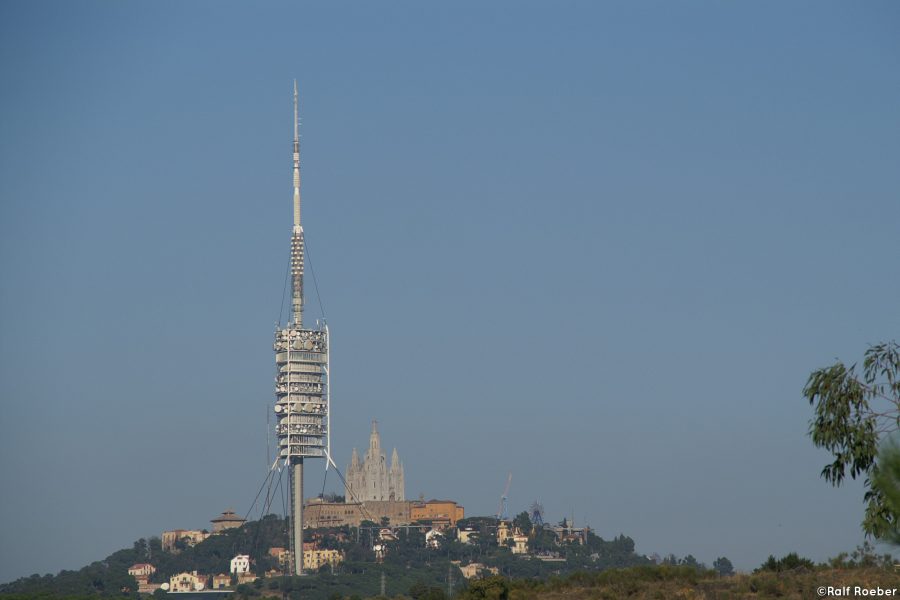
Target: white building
point(240, 564)
point(467, 535)
point(433, 538)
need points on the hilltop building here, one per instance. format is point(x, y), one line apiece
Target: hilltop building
point(440, 513)
point(503, 532)
point(190, 537)
point(227, 520)
point(371, 479)
point(437, 513)
point(566, 532)
point(337, 514)
point(506, 531)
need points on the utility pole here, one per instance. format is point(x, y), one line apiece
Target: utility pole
point(450, 580)
point(382, 584)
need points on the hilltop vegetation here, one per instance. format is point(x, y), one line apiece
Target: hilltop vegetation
point(407, 562)
point(665, 582)
point(597, 569)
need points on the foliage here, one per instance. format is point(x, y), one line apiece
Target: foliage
point(616, 553)
point(478, 522)
point(523, 522)
point(362, 580)
point(213, 555)
point(886, 484)
point(851, 415)
point(420, 591)
point(663, 582)
point(490, 588)
point(409, 566)
point(789, 562)
point(542, 540)
point(690, 561)
point(108, 577)
point(864, 557)
point(723, 566)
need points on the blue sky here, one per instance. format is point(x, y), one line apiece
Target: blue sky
point(598, 245)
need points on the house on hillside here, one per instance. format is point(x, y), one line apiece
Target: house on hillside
point(221, 581)
point(141, 570)
point(240, 564)
point(187, 582)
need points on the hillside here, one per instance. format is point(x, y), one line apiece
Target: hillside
point(407, 563)
point(605, 569)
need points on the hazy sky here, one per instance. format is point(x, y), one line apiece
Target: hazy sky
point(598, 245)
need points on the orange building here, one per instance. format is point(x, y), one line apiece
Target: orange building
point(443, 513)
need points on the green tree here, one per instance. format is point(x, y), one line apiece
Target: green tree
point(420, 591)
point(723, 566)
point(690, 561)
point(886, 484)
point(523, 522)
point(491, 588)
point(851, 414)
point(788, 562)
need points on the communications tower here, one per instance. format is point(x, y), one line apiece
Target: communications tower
point(301, 385)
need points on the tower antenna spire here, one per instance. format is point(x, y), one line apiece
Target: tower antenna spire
point(296, 116)
point(297, 243)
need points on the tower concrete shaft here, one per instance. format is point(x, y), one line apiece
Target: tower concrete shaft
point(297, 515)
point(301, 384)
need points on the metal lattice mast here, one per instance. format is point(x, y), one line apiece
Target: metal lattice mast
point(301, 389)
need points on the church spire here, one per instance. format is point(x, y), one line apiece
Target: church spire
point(395, 460)
point(372, 477)
point(374, 438)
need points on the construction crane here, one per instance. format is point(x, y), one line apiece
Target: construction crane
point(503, 512)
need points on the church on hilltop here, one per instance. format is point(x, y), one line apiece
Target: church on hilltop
point(372, 480)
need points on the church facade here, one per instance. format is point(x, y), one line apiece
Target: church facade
point(372, 479)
